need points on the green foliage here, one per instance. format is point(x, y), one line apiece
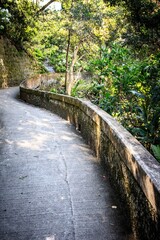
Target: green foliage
point(39, 54)
point(89, 24)
point(59, 90)
point(129, 89)
point(156, 151)
point(4, 18)
point(82, 89)
point(144, 16)
point(20, 28)
point(53, 90)
point(50, 42)
point(57, 59)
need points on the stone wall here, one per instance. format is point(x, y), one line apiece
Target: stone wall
point(133, 171)
point(15, 66)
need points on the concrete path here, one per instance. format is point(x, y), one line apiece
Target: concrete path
point(51, 187)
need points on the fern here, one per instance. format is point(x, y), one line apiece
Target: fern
point(156, 151)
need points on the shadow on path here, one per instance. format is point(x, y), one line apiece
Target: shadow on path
point(51, 187)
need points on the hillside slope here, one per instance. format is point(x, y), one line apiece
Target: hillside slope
point(15, 66)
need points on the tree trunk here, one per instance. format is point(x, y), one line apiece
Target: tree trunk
point(70, 72)
point(67, 60)
point(70, 80)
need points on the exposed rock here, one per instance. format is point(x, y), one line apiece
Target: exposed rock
point(15, 66)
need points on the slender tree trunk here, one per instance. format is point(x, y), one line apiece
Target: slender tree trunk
point(67, 59)
point(70, 73)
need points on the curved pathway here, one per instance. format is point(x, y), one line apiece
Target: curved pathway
point(51, 187)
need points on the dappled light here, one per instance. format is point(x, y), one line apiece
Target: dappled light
point(50, 238)
point(34, 143)
point(93, 67)
point(4, 74)
point(51, 184)
point(130, 165)
point(149, 190)
point(40, 123)
point(98, 135)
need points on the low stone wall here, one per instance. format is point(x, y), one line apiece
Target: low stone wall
point(133, 171)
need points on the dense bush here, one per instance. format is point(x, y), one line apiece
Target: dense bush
point(128, 88)
point(21, 26)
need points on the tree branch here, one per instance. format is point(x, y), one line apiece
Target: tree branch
point(45, 6)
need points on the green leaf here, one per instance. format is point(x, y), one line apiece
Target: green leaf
point(156, 151)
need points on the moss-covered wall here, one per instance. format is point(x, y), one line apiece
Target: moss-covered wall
point(15, 66)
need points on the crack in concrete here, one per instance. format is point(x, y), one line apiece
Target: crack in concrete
point(65, 172)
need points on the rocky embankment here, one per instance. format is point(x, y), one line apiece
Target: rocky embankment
point(15, 66)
